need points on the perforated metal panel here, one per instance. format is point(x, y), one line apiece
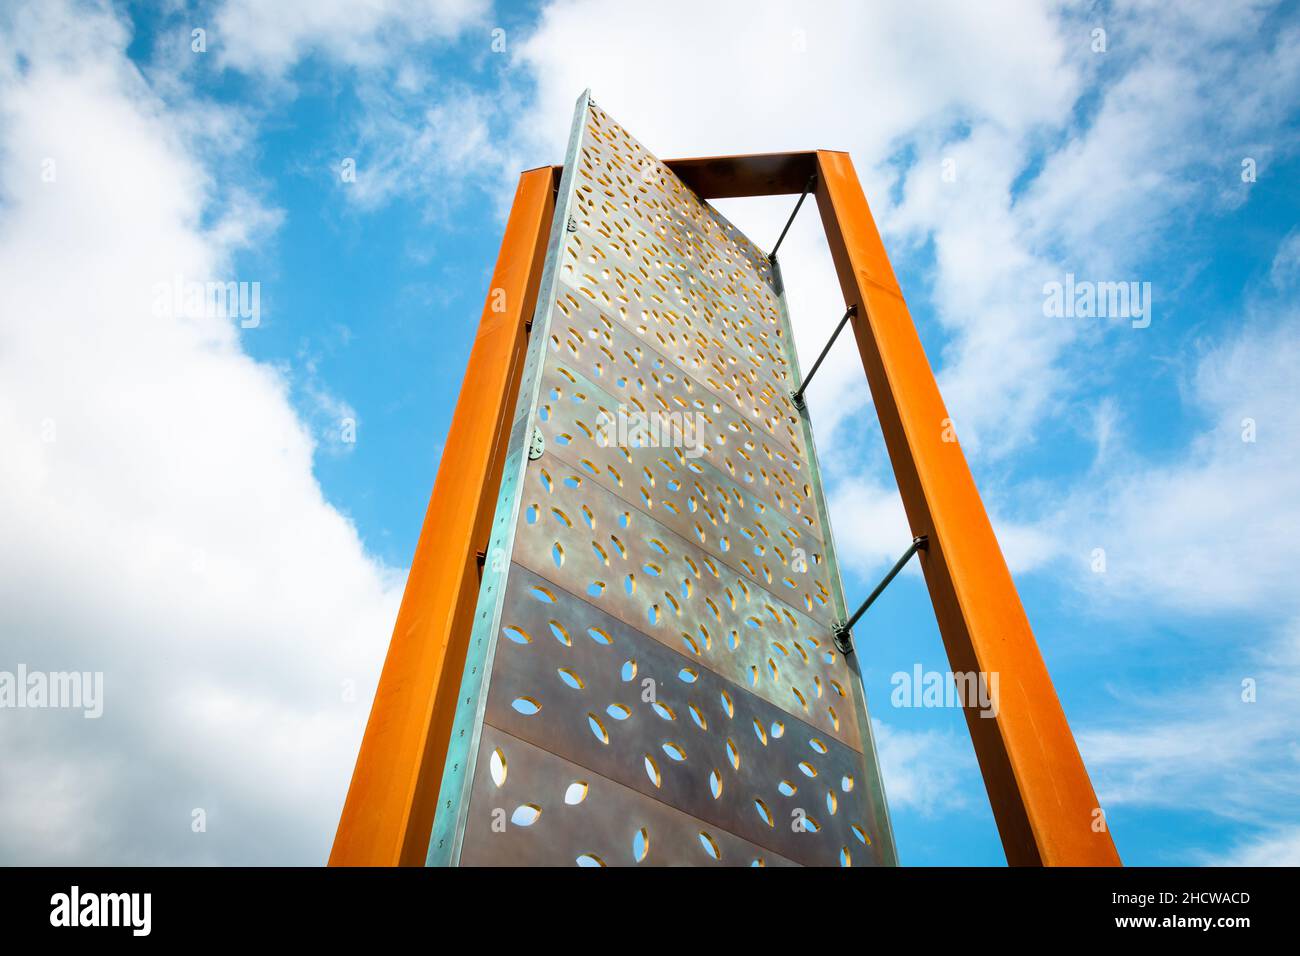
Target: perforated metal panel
point(651, 676)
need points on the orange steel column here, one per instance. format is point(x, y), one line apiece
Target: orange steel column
point(389, 809)
point(1044, 803)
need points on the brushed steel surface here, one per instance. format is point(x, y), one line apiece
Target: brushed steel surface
point(749, 377)
point(663, 631)
point(769, 467)
point(680, 484)
point(582, 818)
point(671, 266)
point(618, 559)
point(611, 699)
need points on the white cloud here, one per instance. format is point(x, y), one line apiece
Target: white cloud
point(999, 371)
point(923, 770)
point(1203, 532)
point(1278, 847)
point(161, 519)
point(979, 60)
point(1286, 264)
point(429, 151)
point(1224, 745)
point(416, 131)
point(872, 526)
point(840, 76)
point(271, 38)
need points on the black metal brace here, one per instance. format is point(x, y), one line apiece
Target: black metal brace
point(842, 632)
point(797, 395)
point(771, 256)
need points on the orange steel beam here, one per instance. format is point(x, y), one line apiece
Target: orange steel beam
point(744, 176)
point(389, 809)
point(757, 174)
point(1046, 810)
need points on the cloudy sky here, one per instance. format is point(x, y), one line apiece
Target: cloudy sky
point(182, 508)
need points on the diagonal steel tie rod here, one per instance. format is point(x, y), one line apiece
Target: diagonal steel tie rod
point(797, 396)
point(842, 631)
point(771, 256)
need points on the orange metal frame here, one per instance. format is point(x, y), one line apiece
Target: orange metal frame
point(1044, 804)
point(389, 808)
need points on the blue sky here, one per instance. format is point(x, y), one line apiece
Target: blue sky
point(233, 565)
